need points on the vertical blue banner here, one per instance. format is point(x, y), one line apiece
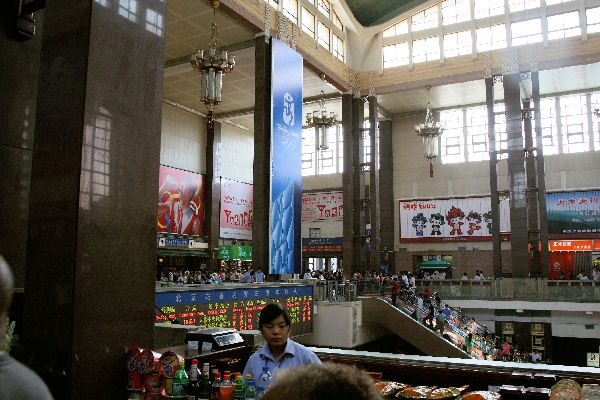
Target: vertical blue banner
point(286, 160)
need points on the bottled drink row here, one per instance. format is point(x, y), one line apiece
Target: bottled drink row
point(203, 385)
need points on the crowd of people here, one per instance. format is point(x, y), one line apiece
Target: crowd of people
point(184, 276)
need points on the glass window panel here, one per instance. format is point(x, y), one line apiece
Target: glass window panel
point(338, 47)
point(596, 120)
point(426, 49)
point(451, 140)
point(525, 32)
point(573, 122)
point(491, 37)
point(488, 8)
point(323, 6)
point(477, 133)
point(500, 130)
point(425, 19)
point(308, 22)
point(337, 22)
point(549, 125)
point(563, 25)
point(551, 2)
point(519, 5)
point(290, 10)
point(593, 19)
point(398, 29)
point(308, 151)
point(457, 44)
point(454, 11)
point(323, 35)
point(395, 55)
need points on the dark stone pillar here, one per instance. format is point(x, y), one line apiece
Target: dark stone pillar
point(386, 193)
point(495, 200)
point(375, 257)
point(532, 204)
point(359, 196)
point(212, 188)
point(517, 179)
point(91, 260)
point(19, 64)
point(348, 187)
point(541, 174)
point(262, 150)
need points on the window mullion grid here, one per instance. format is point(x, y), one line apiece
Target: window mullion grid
point(583, 20)
point(590, 122)
point(465, 145)
point(559, 135)
point(544, 18)
point(440, 34)
point(507, 25)
point(410, 46)
point(473, 30)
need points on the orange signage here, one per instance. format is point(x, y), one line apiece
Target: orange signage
point(572, 245)
point(596, 244)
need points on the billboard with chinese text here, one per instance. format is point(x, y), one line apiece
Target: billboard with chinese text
point(236, 210)
point(574, 213)
point(322, 206)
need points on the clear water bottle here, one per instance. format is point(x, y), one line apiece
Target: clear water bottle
point(265, 378)
point(260, 391)
point(250, 390)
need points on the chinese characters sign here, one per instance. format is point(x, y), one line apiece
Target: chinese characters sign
point(571, 245)
point(457, 219)
point(322, 206)
point(322, 245)
point(236, 210)
point(573, 212)
point(236, 308)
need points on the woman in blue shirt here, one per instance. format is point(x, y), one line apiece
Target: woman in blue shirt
point(279, 352)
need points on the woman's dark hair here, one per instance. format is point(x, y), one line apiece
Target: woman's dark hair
point(272, 311)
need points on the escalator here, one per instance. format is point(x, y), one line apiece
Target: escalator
point(378, 311)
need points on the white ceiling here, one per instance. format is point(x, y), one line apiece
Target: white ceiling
point(188, 29)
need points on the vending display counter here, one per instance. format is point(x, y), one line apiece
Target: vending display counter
point(453, 372)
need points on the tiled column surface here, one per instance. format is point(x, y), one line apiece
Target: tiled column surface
point(262, 146)
point(386, 192)
point(517, 180)
point(375, 257)
point(348, 187)
point(212, 188)
point(19, 64)
point(359, 249)
point(91, 260)
point(532, 204)
point(541, 174)
point(495, 201)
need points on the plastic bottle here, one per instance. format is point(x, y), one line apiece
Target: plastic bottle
point(193, 386)
point(226, 388)
point(260, 391)
point(239, 393)
point(251, 390)
point(205, 388)
point(265, 378)
point(180, 382)
point(216, 387)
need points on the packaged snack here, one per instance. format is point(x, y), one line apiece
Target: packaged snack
point(414, 392)
point(481, 395)
point(387, 388)
point(566, 389)
point(168, 363)
point(446, 393)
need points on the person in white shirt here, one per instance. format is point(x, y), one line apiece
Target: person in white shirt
point(464, 277)
point(442, 275)
point(307, 275)
point(535, 357)
point(413, 281)
point(595, 274)
point(405, 279)
point(419, 308)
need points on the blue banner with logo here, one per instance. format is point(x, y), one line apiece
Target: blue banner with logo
point(286, 159)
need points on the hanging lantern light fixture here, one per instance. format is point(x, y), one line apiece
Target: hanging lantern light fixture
point(430, 131)
point(321, 120)
point(212, 63)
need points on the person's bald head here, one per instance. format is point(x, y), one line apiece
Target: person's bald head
point(6, 288)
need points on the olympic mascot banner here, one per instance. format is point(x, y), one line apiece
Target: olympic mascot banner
point(236, 210)
point(180, 201)
point(456, 219)
point(286, 159)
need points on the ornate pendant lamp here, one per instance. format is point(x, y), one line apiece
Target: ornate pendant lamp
point(212, 63)
point(321, 120)
point(430, 131)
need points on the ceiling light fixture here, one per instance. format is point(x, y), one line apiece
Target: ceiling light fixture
point(430, 131)
point(321, 120)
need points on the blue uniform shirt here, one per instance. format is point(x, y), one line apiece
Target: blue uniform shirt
point(294, 354)
point(259, 276)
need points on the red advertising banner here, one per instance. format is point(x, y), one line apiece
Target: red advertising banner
point(236, 210)
point(180, 201)
point(571, 245)
point(322, 206)
point(562, 265)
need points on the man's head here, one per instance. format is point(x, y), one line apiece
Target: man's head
point(323, 381)
point(6, 288)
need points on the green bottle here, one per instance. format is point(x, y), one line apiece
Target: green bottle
point(180, 382)
point(239, 393)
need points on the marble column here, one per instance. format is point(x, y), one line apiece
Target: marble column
point(91, 258)
point(532, 203)
point(212, 189)
point(495, 200)
point(374, 207)
point(262, 151)
point(386, 193)
point(348, 188)
point(358, 187)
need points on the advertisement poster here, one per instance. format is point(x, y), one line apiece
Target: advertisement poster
point(286, 160)
point(573, 213)
point(236, 210)
point(456, 219)
point(180, 201)
point(322, 206)
point(562, 265)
